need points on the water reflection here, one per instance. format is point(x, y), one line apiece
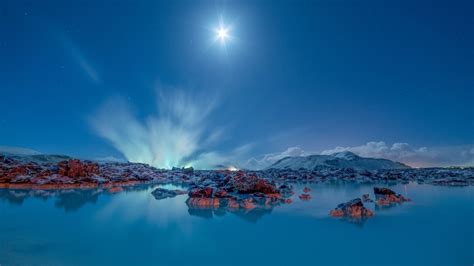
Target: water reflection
point(132, 227)
point(139, 204)
point(252, 215)
point(67, 199)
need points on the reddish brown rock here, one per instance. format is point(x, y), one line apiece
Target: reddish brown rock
point(221, 193)
point(247, 204)
point(265, 186)
point(383, 202)
point(205, 192)
point(337, 213)
point(353, 209)
point(233, 204)
point(248, 184)
point(77, 168)
point(203, 202)
point(385, 196)
point(305, 197)
point(115, 189)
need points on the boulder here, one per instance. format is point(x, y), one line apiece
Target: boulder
point(201, 192)
point(247, 184)
point(385, 196)
point(352, 209)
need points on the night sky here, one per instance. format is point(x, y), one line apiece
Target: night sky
point(129, 79)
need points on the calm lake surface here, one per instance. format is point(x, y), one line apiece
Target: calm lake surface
point(133, 228)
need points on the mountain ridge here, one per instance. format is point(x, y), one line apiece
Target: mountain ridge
point(344, 159)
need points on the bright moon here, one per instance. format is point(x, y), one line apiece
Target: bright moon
point(222, 34)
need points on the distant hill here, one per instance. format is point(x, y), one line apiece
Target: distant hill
point(7, 150)
point(29, 155)
point(337, 160)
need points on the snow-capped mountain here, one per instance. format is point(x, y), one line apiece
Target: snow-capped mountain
point(337, 160)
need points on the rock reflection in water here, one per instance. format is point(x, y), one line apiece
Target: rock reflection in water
point(252, 215)
point(67, 199)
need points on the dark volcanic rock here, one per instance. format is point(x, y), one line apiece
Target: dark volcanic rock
point(250, 183)
point(353, 209)
point(385, 196)
point(366, 198)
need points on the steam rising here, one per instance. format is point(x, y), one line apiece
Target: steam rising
point(177, 135)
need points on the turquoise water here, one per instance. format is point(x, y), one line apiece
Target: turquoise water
point(132, 228)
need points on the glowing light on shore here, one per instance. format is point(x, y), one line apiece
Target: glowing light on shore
point(232, 168)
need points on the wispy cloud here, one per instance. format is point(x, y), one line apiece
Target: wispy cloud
point(78, 56)
point(177, 135)
point(462, 155)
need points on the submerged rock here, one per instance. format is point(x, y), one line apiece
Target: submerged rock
point(352, 209)
point(161, 193)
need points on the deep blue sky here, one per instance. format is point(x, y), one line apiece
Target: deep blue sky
point(316, 74)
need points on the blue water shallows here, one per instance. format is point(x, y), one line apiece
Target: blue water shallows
point(132, 228)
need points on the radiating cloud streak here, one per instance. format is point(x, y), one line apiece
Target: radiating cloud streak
point(178, 135)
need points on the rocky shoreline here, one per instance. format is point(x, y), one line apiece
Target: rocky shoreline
point(223, 190)
point(75, 173)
